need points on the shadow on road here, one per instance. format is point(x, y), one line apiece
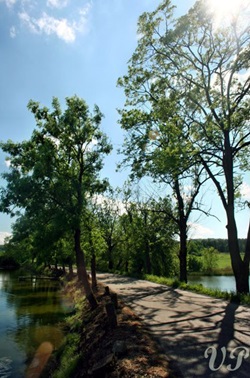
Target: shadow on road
point(187, 324)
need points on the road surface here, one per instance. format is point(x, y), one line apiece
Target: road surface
point(191, 328)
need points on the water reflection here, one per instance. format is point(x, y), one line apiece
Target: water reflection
point(224, 283)
point(30, 314)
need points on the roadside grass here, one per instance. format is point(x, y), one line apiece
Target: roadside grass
point(200, 289)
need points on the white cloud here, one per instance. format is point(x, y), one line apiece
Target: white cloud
point(3, 235)
point(26, 19)
point(63, 28)
point(9, 3)
point(245, 191)
point(115, 205)
point(57, 3)
point(7, 163)
point(197, 231)
point(13, 32)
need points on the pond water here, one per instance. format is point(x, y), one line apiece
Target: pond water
point(30, 314)
point(224, 283)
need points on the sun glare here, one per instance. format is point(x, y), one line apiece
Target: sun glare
point(225, 10)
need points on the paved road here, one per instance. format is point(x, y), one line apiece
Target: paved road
point(186, 324)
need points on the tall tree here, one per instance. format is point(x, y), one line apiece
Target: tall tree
point(58, 169)
point(108, 212)
point(157, 145)
point(204, 68)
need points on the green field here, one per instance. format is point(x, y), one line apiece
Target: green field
point(224, 261)
point(224, 264)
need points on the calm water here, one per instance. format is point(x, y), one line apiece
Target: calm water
point(224, 283)
point(30, 312)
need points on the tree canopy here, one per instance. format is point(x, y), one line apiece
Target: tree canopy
point(55, 172)
point(192, 76)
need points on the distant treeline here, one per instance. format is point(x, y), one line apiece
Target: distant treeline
point(220, 244)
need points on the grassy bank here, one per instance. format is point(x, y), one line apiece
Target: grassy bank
point(216, 293)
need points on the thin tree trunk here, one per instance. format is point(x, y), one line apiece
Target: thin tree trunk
point(93, 262)
point(183, 253)
point(71, 272)
point(93, 272)
point(81, 270)
point(110, 254)
point(148, 260)
point(147, 246)
point(182, 223)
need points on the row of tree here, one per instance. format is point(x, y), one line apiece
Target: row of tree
point(186, 120)
point(187, 112)
point(220, 244)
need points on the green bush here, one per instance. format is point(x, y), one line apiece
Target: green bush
point(194, 264)
point(209, 260)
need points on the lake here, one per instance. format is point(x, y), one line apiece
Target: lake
point(30, 316)
point(224, 283)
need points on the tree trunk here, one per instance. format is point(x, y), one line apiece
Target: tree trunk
point(182, 224)
point(110, 254)
point(71, 272)
point(183, 252)
point(147, 257)
point(93, 262)
point(93, 272)
point(81, 270)
point(147, 246)
point(240, 266)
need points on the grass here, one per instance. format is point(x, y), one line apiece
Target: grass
point(200, 289)
point(69, 358)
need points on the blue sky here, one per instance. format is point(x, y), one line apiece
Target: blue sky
point(65, 47)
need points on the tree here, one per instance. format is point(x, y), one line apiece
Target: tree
point(146, 239)
point(210, 259)
point(57, 170)
point(204, 70)
point(157, 145)
point(108, 212)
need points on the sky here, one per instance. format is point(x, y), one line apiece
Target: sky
point(65, 47)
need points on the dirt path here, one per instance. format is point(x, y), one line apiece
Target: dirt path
point(187, 324)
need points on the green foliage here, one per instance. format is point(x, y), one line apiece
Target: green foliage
point(187, 109)
point(194, 263)
point(51, 178)
point(209, 259)
point(146, 239)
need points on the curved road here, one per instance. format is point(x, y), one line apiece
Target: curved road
point(190, 325)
